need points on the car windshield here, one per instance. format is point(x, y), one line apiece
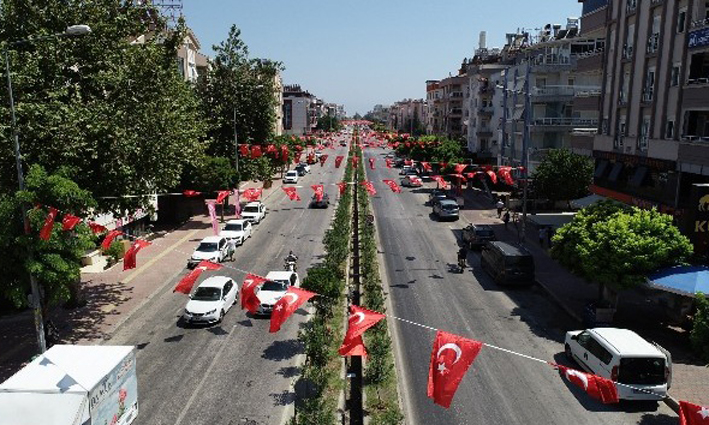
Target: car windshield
point(251, 209)
point(272, 285)
point(291, 174)
point(520, 261)
point(642, 371)
point(207, 247)
point(234, 227)
point(449, 207)
point(207, 294)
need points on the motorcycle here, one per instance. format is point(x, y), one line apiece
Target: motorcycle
point(290, 264)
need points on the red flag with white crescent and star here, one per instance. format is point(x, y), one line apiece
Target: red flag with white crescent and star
point(108, 240)
point(369, 187)
point(392, 184)
point(427, 166)
point(341, 186)
point(371, 163)
point(323, 158)
point(359, 321)
point(409, 162)
point(319, 191)
point(296, 158)
point(249, 300)
point(506, 176)
point(388, 162)
point(252, 194)
point(353, 347)
point(338, 160)
point(129, 259)
point(492, 175)
point(693, 414)
point(459, 168)
point(441, 181)
point(96, 228)
point(292, 193)
point(70, 221)
point(255, 151)
point(451, 357)
point(601, 389)
point(222, 194)
point(244, 150)
point(185, 284)
point(191, 193)
point(286, 306)
point(355, 161)
point(46, 231)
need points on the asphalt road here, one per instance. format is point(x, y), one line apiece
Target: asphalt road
point(235, 372)
point(499, 388)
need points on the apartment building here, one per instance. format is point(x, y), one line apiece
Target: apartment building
point(407, 116)
point(298, 110)
point(453, 92)
point(191, 64)
point(433, 111)
point(482, 135)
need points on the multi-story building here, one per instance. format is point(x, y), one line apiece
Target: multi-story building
point(653, 144)
point(299, 108)
point(407, 116)
point(191, 64)
point(433, 113)
point(453, 91)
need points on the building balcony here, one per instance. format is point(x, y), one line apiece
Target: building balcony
point(699, 23)
point(552, 62)
point(565, 122)
point(695, 95)
point(590, 61)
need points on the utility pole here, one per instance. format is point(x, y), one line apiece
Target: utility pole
point(525, 145)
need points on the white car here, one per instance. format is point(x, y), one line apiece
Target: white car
point(212, 299)
point(239, 230)
point(212, 248)
point(305, 166)
point(412, 181)
point(274, 288)
point(291, 177)
point(254, 212)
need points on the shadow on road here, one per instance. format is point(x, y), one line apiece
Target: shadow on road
point(282, 350)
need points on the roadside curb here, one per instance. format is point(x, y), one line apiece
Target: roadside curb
point(672, 403)
point(557, 299)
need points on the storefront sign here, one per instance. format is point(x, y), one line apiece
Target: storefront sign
point(700, 234)
point(653, 163)
point(698, 38)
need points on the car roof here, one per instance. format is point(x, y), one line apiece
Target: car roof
point(627, 342)
point(482, 226)
point(212, 239)
point(448, 201)
point(291, 171)
point(509, 249)
point(238, 221)
point(279, 275)
point(214, 282)
point(253, 204)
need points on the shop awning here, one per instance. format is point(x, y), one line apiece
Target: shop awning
point(682, 280)
point(587, 201)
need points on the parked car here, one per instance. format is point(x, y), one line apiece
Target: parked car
point(212, 248)
point(507, 264)
point(239, 230)
point(318, 154)
point(406, 170)
point(412, 181)
point(446, 209)
point(436, 195)
point(624, 357)
point(254, 212)
point(211, 301)
point(343, 143)
point(477, 235)
point(273, 289)
point(399, 162)
point(323, 203)
point(304, 166)
point(291, 176)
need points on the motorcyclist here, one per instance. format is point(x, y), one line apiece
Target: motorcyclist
point(462, 257)
point(291, 258)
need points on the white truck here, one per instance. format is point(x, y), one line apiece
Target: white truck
point(254, 212)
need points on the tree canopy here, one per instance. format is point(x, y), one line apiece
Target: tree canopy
point(618, 246)
point(563, 175)
point(113, 116)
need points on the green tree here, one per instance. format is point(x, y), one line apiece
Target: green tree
point(116, 116)
point(211, 174)
point(56, 262)
point(619, 249)
point(328, 123)
point(241, 86)
point(563, 175)
point(700, 330)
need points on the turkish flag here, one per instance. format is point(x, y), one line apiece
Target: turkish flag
point(360, 320)
point(392, 184)
point(441, 181)
point(252, 194)
point(297, 157)
point(323, 158)
point(191, 193)
point(292, 193)
point(506, 176)
point(370, 188)
point(271, 149)
point(388, 162)
point(185, 284)
point(249, 300)
point(353, 347)
point(284, 153)
point(371, 163)
point(451, 357)
point(459, 177)
point(493, 176)
point(286, 306)
point(602, 389)
point(355, 160)
point(70, 221)
point(255, 151)
point(341, 186)
point(298, 148)
point(319, 191)
point(338, 160)
point(108, 240)
point(222, 195)
point(244, 150)
point(97, 228)
point(693, 414)
point(409, 162)
point(427, 166)
point(46, 231)
point(459, 168)
point(311, 158)
point(129, 258)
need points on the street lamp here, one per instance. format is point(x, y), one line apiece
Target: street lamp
point(36, 301)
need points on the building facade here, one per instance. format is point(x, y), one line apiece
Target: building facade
point(191, 64)
point(299, 108)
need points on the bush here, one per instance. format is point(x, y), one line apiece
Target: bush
point(114, 251)
point(700, 331)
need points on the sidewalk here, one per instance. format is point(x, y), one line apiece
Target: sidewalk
point(572, 293)
point(112, 295)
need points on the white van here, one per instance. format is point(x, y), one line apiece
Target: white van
point(644, 369)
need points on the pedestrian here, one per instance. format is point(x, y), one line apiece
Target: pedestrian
point(231, 248)
point(500, 206)
point(506, 218)
point(542, 235)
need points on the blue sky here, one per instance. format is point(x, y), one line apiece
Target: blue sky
point(364, 52)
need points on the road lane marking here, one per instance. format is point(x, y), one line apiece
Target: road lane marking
point(157, 257)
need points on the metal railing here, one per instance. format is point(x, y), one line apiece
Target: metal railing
point(565, 121)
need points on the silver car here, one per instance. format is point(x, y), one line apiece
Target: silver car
point(446, 209)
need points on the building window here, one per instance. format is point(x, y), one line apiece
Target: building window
point(681, 20)
point(670, 130)
point(674, 78)
point(644, 134)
